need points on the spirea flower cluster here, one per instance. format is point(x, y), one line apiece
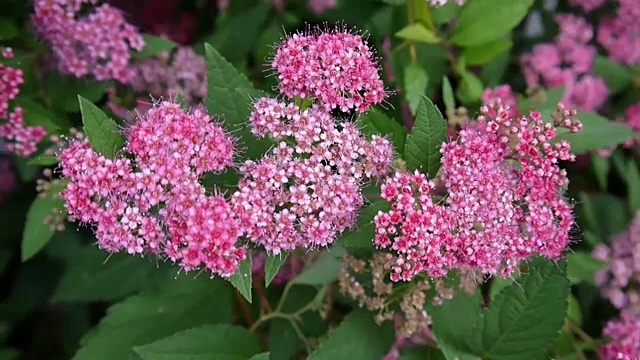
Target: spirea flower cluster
point(503, 199)
point(20, 138)
point(306, 191)
point(88, 38)
point(624, 335)
point(336, 68)
point(149, 199)
point(619, 281)
point(568, 61)
point(168, 74)
point(619, 35)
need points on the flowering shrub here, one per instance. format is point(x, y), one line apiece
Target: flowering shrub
point(258, 179)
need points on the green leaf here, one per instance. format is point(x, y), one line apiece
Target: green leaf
point(601, 167)
point(239, 34)
point(242, 278)
point(482, 54)
point(415, 85)
point(512, 327)
point(601, 214)
point(103, 133)
point(616, 75)
point(422, 149)
point(154, 45)
point(323, 271)
point(210, 342)
point(272, 265)
point(419, 33)
point(283, 339)
point(628, 170)
point(94, 275)
point(64, 91)
point(482, 21)
point(43, 160)
point(582, 267)
point(178, 305)
point(597, 133)
point(231, 97)
point(181, 101)
point(375, 122)
point(362, 236)
point(357, 337)
point(37, 115)
point(36, 233)
point(447, 94)
point(453, 324)
point(470, 89)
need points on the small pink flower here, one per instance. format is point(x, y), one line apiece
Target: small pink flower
point(625, 338)
point(88, 39)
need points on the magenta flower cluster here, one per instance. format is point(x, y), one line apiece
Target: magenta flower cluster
point(624, 338)
point(502, 199)
point(88, 38)
point(305, 192)
point(568, 62)
point(20, 138)
point(336, 68)
point(168, 74)
point(149, 199)
point(620, 279)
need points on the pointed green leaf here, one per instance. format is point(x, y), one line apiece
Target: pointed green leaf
point(616, 75)
point(209, 342)
point(419, 33)
point(601, 167)
point(482, 54)
point(415, 85)
point(178, 305)
point(447, 94)
point(323, 271)
point(92, 275)
point(231, 96)
point(582, 267)
point(597, 133)
point(242, 278)
point(422, 149)
point(103, 133)
point(470, 89)
point(154, 45)
point(272, 265)
point(482, 21)
point(512, 327)
point(262, 356)
point(36, 233)
point(357, 338)
point(43, 160)
point(453, 323)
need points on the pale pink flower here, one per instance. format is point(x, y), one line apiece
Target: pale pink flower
point(625, 338)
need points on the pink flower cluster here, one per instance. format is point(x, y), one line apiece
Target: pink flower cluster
point(568, 62)
point(21, 139)
point(150, 200)
point(625, 338)
point(87, 38)
point(307, 190)
point(620, 35)
point(168, 74)
point(504, 199)
point(335, 68)
point(620, 280)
